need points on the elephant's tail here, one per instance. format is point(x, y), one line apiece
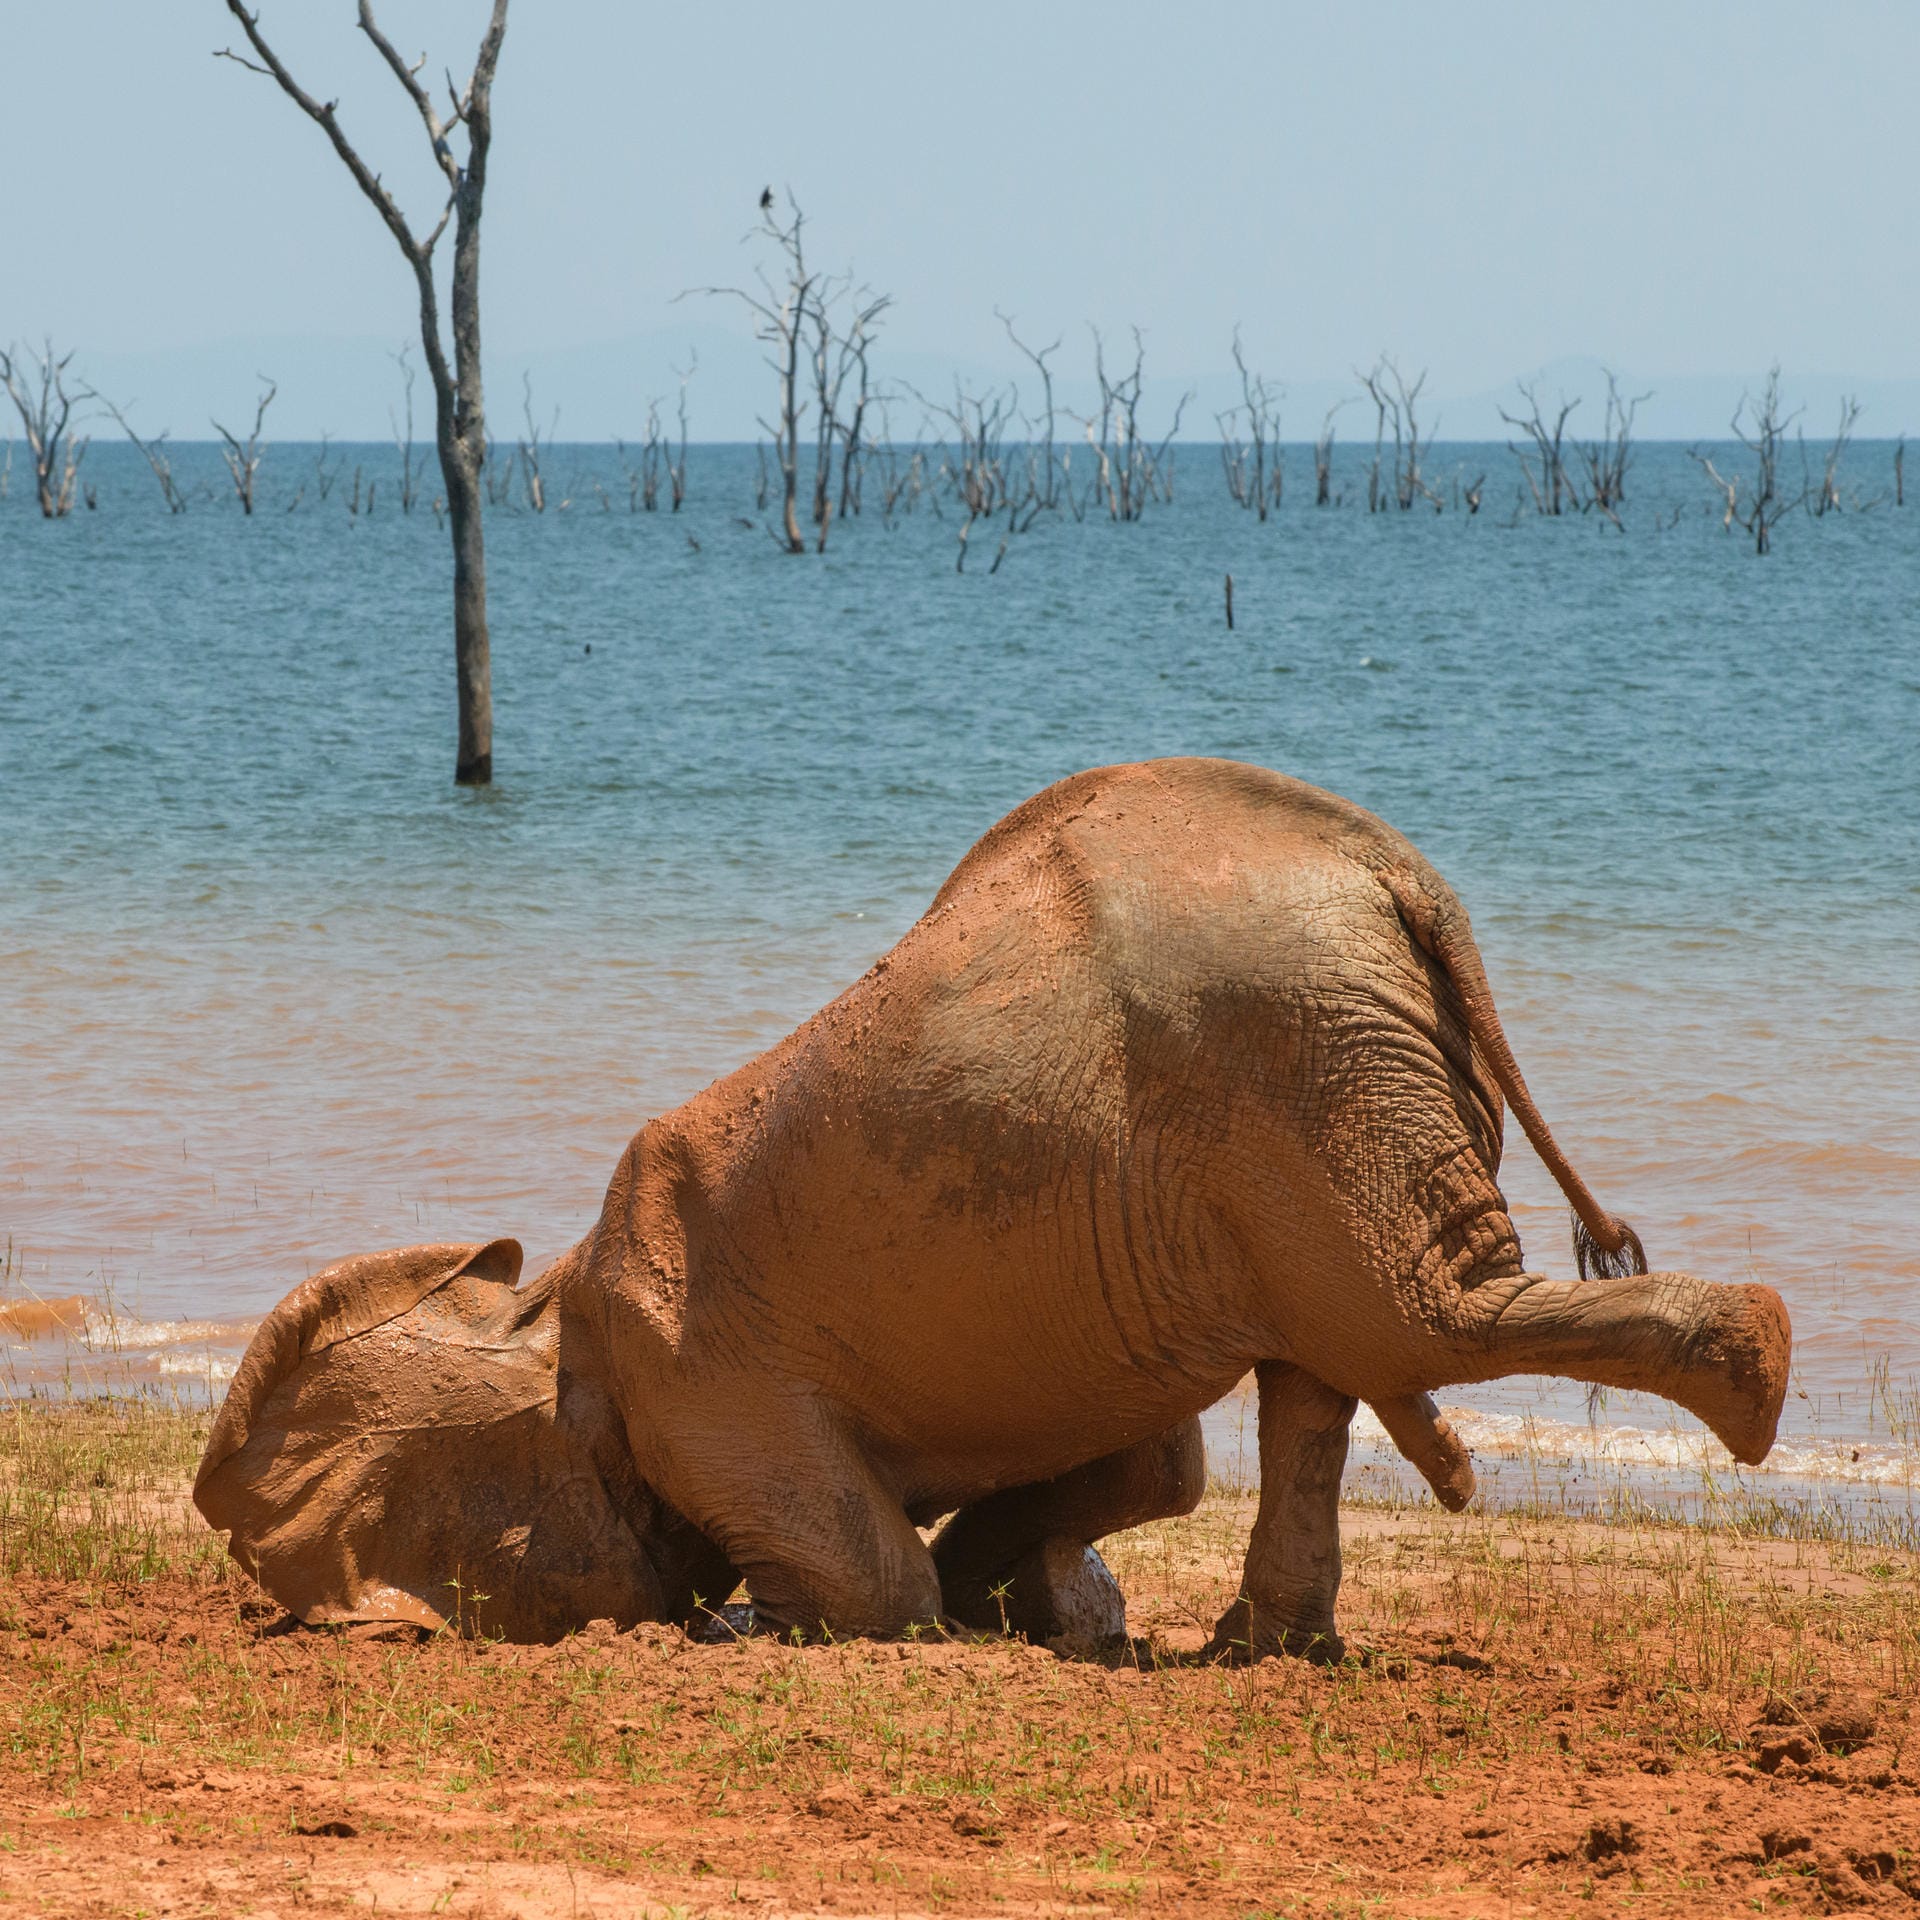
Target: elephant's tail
point(1604, 1246)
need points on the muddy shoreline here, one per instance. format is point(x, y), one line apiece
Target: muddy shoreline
point(1538, 1711)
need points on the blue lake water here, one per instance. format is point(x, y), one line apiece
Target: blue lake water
point(272, 990)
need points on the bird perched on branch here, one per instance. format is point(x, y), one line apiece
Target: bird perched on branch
point(766, 200)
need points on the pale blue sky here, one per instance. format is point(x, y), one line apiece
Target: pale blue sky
point(1692, 188)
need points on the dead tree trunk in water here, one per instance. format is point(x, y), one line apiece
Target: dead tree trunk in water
point(677, 469)
point(1761, 437)
point(1548, 480)
point(153, 451)
point(1608, 458)
point(1827, 497)
point(46, 410)
point(243, 458)
point(1131, 470)
point(460, 414)
point(782, 316)
point(1046, 470)
point(1395, 405)
point(403, 444)
point(529, 448)
point(1253, 470)
point(1323, 459)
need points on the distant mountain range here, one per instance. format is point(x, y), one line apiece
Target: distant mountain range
point(351, 388)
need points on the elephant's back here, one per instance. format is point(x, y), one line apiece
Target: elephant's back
point(1165, 878)
point(1160, 819)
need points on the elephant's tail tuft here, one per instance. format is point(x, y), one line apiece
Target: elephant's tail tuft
point(1596, 1262)
point(1604, 1246)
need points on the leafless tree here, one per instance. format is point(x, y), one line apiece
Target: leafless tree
point(836, 357)
point(460, 414)
point(403, 441)
point(529, 451)
point(1323, 458)
point(1608, 458)
point(976, 467)
point(651, 458)
point(1760, 427)
point(783, 319)
point(1131, 470)
point(153, 451)
point(1546, 470)
point(798, 316)
point(1396, 405)
point(498, 478)
point(1046, 467)
point(1825, 496)
point(45, 407)
point(677, 469)
point(1253, 468)
point(901, 483)
point(243, 457)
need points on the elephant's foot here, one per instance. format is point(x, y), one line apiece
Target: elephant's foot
point(1059, 1589)
point(1247, 1632)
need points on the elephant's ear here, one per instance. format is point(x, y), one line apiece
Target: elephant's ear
point(402, 1441)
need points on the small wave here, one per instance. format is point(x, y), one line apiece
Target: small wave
point(210, 1367)
point(33, 1326)
point(115, 1332)
point(1511, 1436)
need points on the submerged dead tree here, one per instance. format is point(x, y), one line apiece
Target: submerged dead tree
point(677, 469)
point(1044, 469)
point(243, 456)
point(812, 350)
point(1130, 470)
point(403, 432)
point(153, 451)
point(1826, 496)
point(531, 447)
point(1254, 476)
point(1546, 469)
point(1608, 458)
point(1323, 458)
point(1396, 407)
point(45, 408)
point(460, 429)
point(1761, 428)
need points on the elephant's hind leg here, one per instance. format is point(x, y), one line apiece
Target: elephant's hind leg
point(1023, 1558)
point(1293, 1560)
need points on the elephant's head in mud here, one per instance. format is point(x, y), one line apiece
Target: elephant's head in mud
point(406, 1440)
point(1189, 1071)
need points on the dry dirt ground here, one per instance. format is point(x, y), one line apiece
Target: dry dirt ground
point(1537, 1717)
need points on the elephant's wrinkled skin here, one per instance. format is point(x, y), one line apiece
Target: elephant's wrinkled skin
point(1189, 1069)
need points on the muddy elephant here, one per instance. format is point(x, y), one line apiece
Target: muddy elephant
point(1190, 1069)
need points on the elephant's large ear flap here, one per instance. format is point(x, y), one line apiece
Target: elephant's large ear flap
point(402, 1441)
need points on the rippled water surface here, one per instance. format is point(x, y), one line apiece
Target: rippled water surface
point(272, 990)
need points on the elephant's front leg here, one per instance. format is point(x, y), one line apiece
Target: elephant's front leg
point(784, 1490)
point(1293, 1560)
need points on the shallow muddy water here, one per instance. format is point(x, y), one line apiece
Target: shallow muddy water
point(271, 990)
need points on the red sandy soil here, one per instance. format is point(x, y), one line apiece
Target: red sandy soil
point(1541, 1719)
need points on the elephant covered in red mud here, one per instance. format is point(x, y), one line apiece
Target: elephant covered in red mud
point(1189, 1069)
